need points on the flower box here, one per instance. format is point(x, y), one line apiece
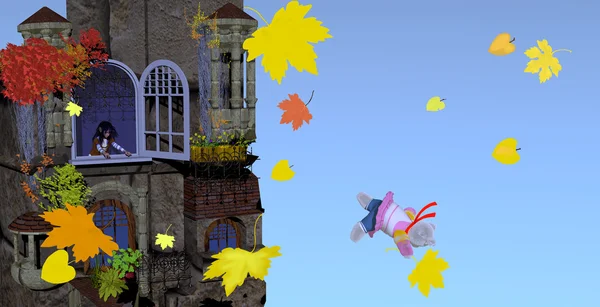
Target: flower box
point(218, 153)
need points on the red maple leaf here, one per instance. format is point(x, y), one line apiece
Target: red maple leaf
point(295, 111)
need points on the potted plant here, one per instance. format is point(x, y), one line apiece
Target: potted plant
point(202, 149)
point(223, 148)
point(110, 284)
point(240, 149)
point(125, 261)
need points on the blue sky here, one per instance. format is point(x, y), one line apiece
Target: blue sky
point(517, 235)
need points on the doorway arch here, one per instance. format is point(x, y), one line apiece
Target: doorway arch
point(116, 220)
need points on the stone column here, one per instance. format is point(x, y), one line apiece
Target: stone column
point(215, 62)
point(236, 101)
point(236, 71)
point(30, 248)
point(67, 120)
point(49, 107)
point(142, 232)
point(16, 255)
point(251, 97)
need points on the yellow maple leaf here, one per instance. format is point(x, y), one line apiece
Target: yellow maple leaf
point(164, 240)
point(75, 227)
point(287, 38)
point(543, 61)
point(428, 272)
point(73, 109)
point(234, 264)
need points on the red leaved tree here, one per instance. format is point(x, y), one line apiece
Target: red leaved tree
point(32, 71)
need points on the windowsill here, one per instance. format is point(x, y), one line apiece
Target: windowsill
point(114, 159)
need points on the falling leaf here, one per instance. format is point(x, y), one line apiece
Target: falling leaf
point(502, 45)
point(543, 61)
point(56, 268)
point(287, 38)
point(234, 264)
point(295, 111)
point(506, 152)
point(75, 227)
point(73, 109)
point(428, 272)
point(165, 240)
point(282, 171)
point(435, 104)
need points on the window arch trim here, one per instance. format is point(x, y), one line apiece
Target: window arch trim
point(216, 223)
point(131, 229)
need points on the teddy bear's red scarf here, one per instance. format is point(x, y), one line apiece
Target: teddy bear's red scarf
point(418, 218)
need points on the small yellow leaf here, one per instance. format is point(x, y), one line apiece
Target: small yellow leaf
point(56, 269)
point(435, 104)
point(282, 171)
point(502, 45)
point(234, 264)
point(287, 38)
point(164, 240)
point(428, 272)
point(542, 61)
point(73, 109)
point(506, 152)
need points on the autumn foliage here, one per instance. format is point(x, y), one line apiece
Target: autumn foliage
point(25, 169)
point(295, 111)
point(32, 71)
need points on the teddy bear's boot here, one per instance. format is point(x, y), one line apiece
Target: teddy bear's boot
point(358, 231)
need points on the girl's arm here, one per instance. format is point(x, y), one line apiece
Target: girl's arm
point(118, 147)
point(98, 147)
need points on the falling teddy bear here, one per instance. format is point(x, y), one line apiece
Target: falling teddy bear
point(402, 225)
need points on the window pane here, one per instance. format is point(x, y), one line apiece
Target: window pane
point(178, 143)
point(150, 112)
point(108, 95)
point(163, 111)
point(164, 143)
point(177, 113)
point(150, 141)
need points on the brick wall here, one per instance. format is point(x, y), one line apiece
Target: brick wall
point(221, 197)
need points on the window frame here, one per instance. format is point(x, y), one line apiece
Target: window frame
point(141, 108)
point(141, 154)
point(115, 158)
point(215, 224)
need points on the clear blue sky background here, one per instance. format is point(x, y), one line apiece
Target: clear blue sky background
point(520, 235)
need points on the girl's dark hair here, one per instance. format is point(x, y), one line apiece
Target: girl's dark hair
point(103, 127)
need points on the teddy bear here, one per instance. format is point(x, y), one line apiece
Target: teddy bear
point(407, 229)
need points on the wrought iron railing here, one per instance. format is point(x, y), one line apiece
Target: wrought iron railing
point(165, 270)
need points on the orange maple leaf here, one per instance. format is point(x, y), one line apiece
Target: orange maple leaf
point(295, 111)
point(75, 226)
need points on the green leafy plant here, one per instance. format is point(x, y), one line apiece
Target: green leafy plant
point(66, 185)
point(111, 284)
point(125, 261)
point(96, 275)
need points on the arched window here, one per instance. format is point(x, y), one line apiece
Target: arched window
point(151, 115)
point(221, 234)
point(117, 221)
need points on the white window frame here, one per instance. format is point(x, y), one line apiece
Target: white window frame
point(141, 155)
point(185, 155)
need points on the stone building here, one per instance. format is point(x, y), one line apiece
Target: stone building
point(151, 90)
